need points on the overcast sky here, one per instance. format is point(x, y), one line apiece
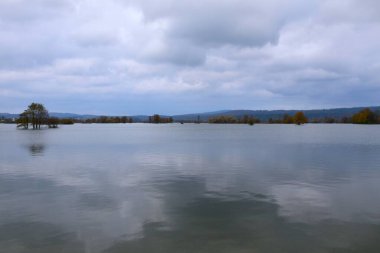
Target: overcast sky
point(180, 56)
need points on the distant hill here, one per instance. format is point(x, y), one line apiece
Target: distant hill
point(8, 115)
point(72, 115)
point(263, 115)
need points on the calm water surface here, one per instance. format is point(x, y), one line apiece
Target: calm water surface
point(190, 188)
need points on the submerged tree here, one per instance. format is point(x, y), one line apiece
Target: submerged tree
point(248, 119)
point(287, 119)
point(365, 116)
point(156, 119)
point(223, 119)
point(23, 120)
point(53, 122)
point(299, 118)
point(35, 115)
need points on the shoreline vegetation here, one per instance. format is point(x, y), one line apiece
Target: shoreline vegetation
point(36, 115)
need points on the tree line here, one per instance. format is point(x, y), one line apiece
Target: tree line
point(226, 119)
point(299, 118)
point(36, 115)
point(106, 119)
point(365, 116)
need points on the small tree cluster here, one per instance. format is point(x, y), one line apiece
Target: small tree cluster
point(250, 120)
point(226, 119)
point(156, 119)
point(287, 119)
point(223, 120)
point(299, 118)
point(35, 115)
point(106, 119)
point(53, 122)
point(365, 116)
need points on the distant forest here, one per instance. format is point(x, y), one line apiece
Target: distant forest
point(344, 115)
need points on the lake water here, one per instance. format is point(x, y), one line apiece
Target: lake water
point(190, 188)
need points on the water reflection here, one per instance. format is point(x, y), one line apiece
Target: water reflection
point(38, 237)
point(201, 188)
point(97, 201)
point(301, 202)
point(34, 141)
point(200, 222)
point(36, 149)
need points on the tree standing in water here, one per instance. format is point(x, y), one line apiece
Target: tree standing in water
point(365, 116)
point(36, 115)
point(299, 118)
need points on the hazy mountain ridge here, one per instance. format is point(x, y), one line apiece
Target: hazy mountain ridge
point(264, 115)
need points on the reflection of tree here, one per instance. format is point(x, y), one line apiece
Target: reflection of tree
point(36, 149)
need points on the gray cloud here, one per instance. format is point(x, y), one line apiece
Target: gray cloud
point(23, 11)
point(214, 23)
point(252, 54)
